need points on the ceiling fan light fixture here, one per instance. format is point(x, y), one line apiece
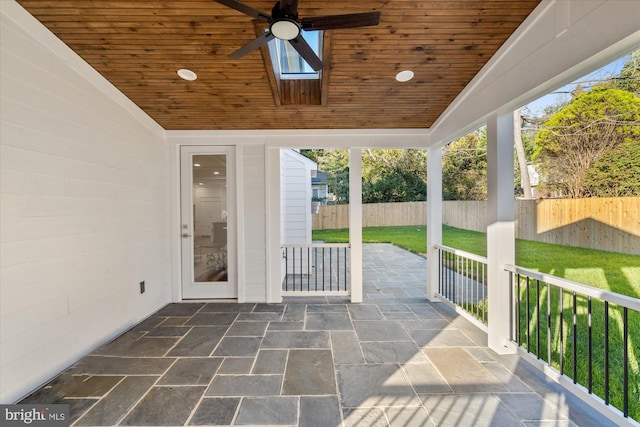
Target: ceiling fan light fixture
point(285, 29)
point(186, 74)
point(404, 76)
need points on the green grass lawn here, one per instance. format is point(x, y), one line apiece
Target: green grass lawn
point(605, 270)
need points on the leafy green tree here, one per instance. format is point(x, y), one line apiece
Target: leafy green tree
point(629, 78)
point(394, 175)
point(616, 173)
point(388, 175)
point(592, 124)
point(464, 167)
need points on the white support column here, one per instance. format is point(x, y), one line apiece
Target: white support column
point(355, 222)
point(500, 227)
point(274, 252)
point(434, 218)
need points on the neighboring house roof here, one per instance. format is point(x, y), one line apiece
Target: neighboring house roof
point(296, 155)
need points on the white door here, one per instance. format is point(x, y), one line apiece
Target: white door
point(207, 182)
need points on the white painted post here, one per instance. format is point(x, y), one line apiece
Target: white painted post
point(434, 218)
point(500, 227)
point(274, 229)
point(355, 222)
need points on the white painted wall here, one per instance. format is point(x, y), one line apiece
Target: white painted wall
point(296, 197)
point(253, 214)
point(84, 208)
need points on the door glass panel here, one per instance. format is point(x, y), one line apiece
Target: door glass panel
point(210, 218)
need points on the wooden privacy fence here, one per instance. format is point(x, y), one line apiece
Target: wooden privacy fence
point(608, 224)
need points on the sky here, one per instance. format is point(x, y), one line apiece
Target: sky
point(536, 107)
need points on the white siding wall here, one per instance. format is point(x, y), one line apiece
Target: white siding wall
point(254, 219)
point(84, 208)
point(296, 200)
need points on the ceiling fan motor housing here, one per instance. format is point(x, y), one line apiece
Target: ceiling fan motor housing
point(285, 29)
point(284, 24)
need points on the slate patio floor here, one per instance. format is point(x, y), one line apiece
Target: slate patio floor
point(395, 360)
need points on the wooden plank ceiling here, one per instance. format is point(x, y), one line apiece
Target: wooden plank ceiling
point(139, 46)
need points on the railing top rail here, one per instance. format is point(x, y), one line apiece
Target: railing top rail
point(619, 299)
point(316, 245)
point(469, 255)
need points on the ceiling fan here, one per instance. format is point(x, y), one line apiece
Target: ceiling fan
point(285, 25)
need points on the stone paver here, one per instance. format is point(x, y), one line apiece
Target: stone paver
point(394, 360)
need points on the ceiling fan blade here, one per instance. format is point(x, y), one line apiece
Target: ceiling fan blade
point(303, 48)
point(332, 22)
point(256, 43)
point(247, 10)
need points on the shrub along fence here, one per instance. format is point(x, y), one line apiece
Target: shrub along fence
point(609, 224)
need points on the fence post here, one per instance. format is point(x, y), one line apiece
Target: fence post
point(500, 228)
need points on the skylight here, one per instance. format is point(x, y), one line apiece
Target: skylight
point(288, 64)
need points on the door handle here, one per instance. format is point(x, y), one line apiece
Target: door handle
point(186, 235)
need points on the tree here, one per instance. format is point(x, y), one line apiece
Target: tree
point(388, 175)
point(629, 78)
point(525, 182)
point(592, 124)
point(394, 175)
point(616, 173)
point(464, 167)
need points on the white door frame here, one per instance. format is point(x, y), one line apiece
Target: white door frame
point(230, 290)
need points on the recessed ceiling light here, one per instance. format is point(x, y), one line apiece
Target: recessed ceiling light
point(187, 74)
point(404, 76)
point(216, 173)
point(200, 183)
point(196, 165)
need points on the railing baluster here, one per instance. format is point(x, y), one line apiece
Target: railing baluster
point(548, 324)
point(538, 318)
point(475, 288)
point(323, 269)
point(450, 276)
point(561, 332)
point(345, 269)
point(575, 339)
point(293, 253)
point(466, 285)
point(528, 321)
point(606, 352)
point(308, 269)
point(330, 269)
point(484, 303)
point(286, 269)
point(315, 262)
point(338, 269)
point(517, 308)
point(590, 345)
point(625, 361)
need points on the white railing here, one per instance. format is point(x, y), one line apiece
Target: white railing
point(588, 335)
point(316, 269)
point(463, 281)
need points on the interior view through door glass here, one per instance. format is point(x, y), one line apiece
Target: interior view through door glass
point(210, 218)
